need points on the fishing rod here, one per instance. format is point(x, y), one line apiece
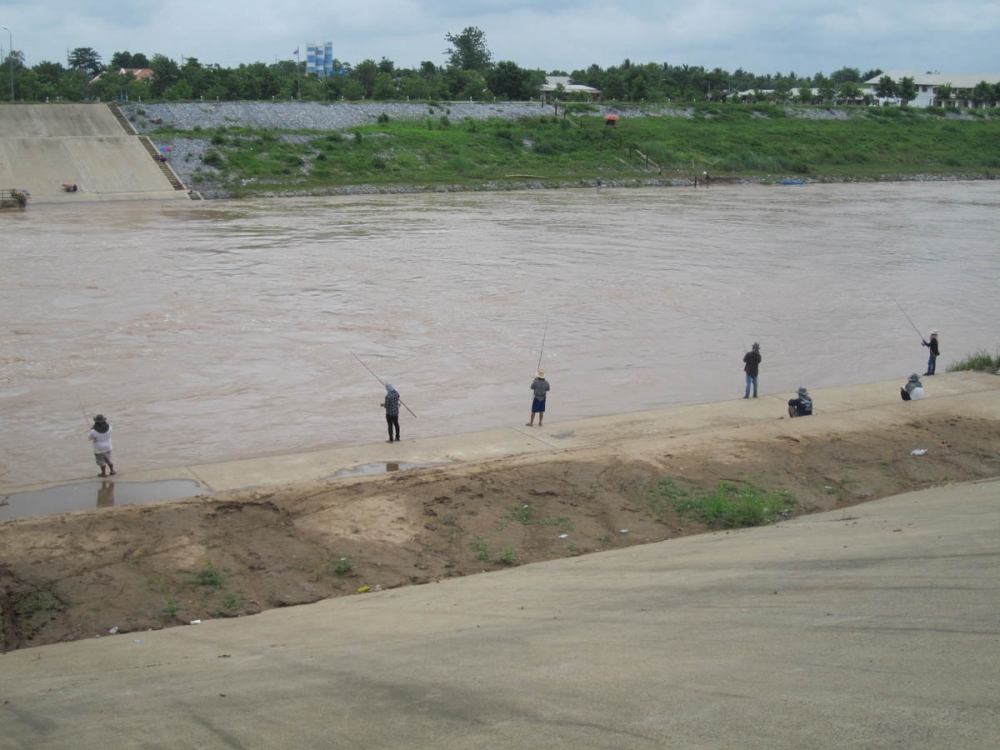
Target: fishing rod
point(380, 380)
point(908, 318)
point(78, 401)
point(542, 350)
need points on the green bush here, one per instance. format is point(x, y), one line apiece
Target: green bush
point(545, 147)
point(749, 161)
point(460, 165)
point(661, 154)
point(980, 360)
point(733, 505)
point(209, 576)
point(481, 549)
point(213, 159)
point(170, 609)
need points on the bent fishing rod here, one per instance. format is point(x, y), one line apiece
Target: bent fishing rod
point(380, 380)
point(908, 318)
point(542, 350)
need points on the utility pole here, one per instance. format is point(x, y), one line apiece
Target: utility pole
point(10, 60)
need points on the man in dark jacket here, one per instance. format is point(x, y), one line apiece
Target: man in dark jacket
point(935, 352)
point(751, 362)
point(391, 406)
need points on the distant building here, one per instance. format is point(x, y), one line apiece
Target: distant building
point(555, 84)
point(927, 83)
point(140, 74)
point(319, 59)
point(771, 96)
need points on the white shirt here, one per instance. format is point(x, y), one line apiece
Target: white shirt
point(102, 440)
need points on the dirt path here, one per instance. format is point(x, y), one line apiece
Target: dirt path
point(139, 567)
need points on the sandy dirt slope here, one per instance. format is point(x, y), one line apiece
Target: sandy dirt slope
point(139, 567)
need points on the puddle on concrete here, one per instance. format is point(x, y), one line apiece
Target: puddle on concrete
point(101, 494)
point(379, 467)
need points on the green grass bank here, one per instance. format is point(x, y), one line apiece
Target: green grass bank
point(760, 143)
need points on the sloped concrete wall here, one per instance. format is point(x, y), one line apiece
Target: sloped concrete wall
point(43, 146)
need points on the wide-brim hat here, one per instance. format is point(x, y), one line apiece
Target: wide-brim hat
point(541, 373)
point(99, 419)
point(934, 332)
point(802, 391)
point(914, 378)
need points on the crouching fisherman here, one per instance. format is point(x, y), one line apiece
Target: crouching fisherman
point(801, 406)
point(913, 390)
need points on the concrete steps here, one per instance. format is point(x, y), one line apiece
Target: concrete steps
point(167, 170)
point(122, 119)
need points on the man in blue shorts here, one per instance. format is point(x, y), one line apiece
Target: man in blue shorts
point(540, 386)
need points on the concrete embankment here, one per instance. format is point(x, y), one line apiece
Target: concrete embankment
point(871, 628)
point(44, 147)
point(867, 626)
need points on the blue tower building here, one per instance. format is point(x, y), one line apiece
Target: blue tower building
point(319, 59)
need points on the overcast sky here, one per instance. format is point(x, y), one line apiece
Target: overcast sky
point(767, 36)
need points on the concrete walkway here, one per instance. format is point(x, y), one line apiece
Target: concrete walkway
point(873, 627)
point(842, 408)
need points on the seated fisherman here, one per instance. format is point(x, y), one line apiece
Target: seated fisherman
point(801, 406)
point(913, 390)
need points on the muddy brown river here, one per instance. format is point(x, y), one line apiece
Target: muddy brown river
point(217, 330)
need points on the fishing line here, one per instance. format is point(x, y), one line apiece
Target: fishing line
point(379, 380)
point(78, 401)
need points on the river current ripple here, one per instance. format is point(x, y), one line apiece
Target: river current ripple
point(218, 330)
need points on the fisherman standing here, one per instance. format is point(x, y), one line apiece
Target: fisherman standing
point(540, 386)
point(100, 436)
point(935, 352)
point(391, 406)
point(751, 363)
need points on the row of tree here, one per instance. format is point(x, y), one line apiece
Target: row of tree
point(469, 73)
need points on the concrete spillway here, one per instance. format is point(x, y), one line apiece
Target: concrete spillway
point(44, 146)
